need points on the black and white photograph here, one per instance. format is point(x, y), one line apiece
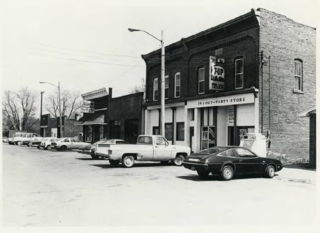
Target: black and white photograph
point(159, 116)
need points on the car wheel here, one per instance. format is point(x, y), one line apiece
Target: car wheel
point(93, 155)
point(270, 171)
point(38, 147)
point(114, 163)
point(29, 144)
point(164, 162)
point(48, 147)
point(63, 148)
point(227, 172)
point(203, 174)
point(178, 160)
point(128, 161)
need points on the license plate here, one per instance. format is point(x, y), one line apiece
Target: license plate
point(193, 168)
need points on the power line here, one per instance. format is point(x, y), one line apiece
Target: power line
point(78, 60)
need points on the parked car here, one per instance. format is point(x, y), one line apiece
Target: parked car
point(19, 137)
point(5, 139)
point(46, 143)
point(66, 144)
point(148, 148)
point(35, 141)
point(93, 147)
point(29, 140)
point(227, 161)
point(10, 141)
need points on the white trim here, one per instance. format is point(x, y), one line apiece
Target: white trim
point(100, 109)
point(95, 94)
point(181, 104)
point(307, 112)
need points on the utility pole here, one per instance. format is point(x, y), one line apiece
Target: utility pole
point(41, 133)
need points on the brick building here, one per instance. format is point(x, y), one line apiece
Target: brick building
point(49, 127)
point(253, 73)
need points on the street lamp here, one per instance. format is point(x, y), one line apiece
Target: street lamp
point(60, 129)
point(162, 130)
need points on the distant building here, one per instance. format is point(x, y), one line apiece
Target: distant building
point(111, 118)
point(256, 73)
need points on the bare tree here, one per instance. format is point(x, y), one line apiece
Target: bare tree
point(71, 102)
point(139, 88)
point(18, 108)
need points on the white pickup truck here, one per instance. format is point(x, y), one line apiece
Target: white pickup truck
point(148, 148)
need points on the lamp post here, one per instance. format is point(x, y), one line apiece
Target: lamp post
point(60, 129)
point(162, 130)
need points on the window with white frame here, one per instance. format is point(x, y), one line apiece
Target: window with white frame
point(166, 90)
point(177, 86)
point(239, 73)
point(155, 89)
point(201, 80)
point(298, 74)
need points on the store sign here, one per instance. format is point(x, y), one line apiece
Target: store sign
point(87, 107)
point(222, 101)
point(216, 75)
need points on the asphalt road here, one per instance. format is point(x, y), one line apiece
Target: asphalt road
point(50, 188)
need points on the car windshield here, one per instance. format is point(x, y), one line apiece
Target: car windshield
point(212, 150)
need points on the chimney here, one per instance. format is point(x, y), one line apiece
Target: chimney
point(110, 92)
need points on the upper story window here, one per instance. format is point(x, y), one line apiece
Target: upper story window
point(155, 89)
point(177, 86)
point(166, 90)
point(201, 80)
point(239, 73)
point(298, 74)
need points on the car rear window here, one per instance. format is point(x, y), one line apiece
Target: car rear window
point(209, 151)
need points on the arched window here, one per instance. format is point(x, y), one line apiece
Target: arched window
point(239, 77)
point(177, 85)
point(201, 75)
point(155, 89)
point(298, 74)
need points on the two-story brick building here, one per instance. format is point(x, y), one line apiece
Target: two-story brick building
point(253, 73)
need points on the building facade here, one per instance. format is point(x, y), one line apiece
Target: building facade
point(106, 117)
point(254, 73)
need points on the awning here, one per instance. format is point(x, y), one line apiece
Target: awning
point(96, 118)
point(307, 112)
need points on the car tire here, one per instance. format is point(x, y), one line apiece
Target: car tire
point(48, 147)
point(114, 163)
point(38, 147)
point(178, 160)
point(270, 171)
point(63, 148)
point(29, 144)
point(202, 174)
point(93, 155)
point(227, 172)
point(128, 161)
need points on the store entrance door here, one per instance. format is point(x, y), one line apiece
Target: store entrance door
point(208, 137)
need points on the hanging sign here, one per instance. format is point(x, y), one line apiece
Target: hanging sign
point(216, 75)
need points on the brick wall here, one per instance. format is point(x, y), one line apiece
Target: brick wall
point(285, 40)
point(72, 130)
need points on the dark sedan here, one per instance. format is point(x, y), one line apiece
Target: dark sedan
point(229, 160)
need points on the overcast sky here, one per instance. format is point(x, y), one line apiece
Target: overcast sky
point(85, 44)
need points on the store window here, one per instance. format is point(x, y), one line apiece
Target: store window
point(239, 73)
point(201, 80)
point(166, 90)
point(298, 74)
point(155, 89)
point(168, 131)
point(177, 86)
point(180, 131)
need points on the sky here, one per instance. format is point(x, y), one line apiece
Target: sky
point(85, 44)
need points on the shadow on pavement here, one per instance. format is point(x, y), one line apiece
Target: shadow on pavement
point(303, 166)
point(138, 165)
point(217, 178)
point(89, 159)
